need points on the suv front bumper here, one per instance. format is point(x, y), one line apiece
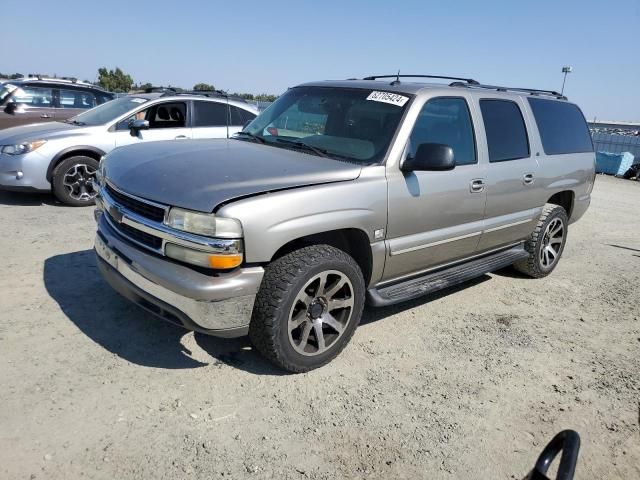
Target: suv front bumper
point(217, 304)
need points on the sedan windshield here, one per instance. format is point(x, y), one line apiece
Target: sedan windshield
point(343, 123)
point(108, 111)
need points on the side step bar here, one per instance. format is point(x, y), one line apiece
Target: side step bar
point(433, 281)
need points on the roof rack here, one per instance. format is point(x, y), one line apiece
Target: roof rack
point(205, 93)
point(530, 91)
point(468, 81)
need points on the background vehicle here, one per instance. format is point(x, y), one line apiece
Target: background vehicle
point(339, 192)
point(64, 156)
point(36, 100)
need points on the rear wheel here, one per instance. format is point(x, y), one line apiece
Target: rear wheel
point(73, 181)
point(546, 244)
point(308, 307)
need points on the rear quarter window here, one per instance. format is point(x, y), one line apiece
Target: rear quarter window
point(562, 127)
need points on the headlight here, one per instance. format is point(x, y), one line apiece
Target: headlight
point(21, 148)
point(204, 224)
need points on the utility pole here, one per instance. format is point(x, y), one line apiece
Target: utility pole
point(565, 70)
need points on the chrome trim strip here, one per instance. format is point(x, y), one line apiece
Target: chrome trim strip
point(433, 244)
point(167, 234)
point(501, 227)
point(129, 239)
point(419, 273)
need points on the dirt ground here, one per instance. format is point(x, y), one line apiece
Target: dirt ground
point(469, 383)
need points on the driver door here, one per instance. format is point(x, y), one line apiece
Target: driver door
point(435, 217)
point(167, 121)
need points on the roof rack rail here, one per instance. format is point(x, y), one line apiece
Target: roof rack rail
point(530, 91)
point(468, 81)
point(207, 93)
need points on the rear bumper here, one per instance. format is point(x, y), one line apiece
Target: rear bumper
point(216, 305)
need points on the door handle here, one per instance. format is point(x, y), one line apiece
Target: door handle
point(180, 137)
point(528, 178)
point(45, 115)
point(476, 185)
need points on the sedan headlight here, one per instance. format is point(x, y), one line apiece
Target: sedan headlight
point(204, 224)
point(22, 148)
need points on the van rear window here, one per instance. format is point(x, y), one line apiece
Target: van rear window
point(562, 127)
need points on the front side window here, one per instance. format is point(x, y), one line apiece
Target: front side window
point(76, 99)
point(353, 124)
point(446, 121)
point(506, 132)
point(164, 115)
point(562, 127)
point(33, 96)
point(209, 114)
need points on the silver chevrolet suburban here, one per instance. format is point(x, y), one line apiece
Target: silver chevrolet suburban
point(379, 190)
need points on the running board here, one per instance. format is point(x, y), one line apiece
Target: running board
point(431, 282)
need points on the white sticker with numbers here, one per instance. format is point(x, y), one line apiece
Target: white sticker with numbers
point(387, 97)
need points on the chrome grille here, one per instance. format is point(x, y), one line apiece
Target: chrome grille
point(145, 209)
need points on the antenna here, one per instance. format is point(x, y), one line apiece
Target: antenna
point(397, 80)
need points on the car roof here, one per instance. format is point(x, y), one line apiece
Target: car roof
point(54, 81)
point(415, 88)
point(188, 96)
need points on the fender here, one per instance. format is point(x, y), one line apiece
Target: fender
point(65, 151)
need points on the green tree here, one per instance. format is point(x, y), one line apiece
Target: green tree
point(145, 86)
point(265, 97)
point(204, 87)
point(114, 80)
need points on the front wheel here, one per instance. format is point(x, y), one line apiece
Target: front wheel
point(308, 307)
point(73, 181)
point(546, 244)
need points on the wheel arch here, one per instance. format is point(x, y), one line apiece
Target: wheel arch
point(352, 241)
point(564, 199)
point(86, 150)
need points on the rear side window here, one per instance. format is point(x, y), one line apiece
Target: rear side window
point(506, 132)
point(562, 127)
point(240, 116)
point(76, 99)
point(33, 96)
point(447, 121)
point(209, 114)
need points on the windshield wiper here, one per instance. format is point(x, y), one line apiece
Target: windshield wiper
point(253, 137)
point(305, 146)
point(75, 122)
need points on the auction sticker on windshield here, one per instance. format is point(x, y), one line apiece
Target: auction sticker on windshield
point(387, 97)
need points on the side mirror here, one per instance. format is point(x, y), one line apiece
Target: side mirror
point(430, 156)
point(11, 108)
point(136, 125)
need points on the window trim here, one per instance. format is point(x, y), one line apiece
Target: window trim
point(524, 123)
point(473, 128)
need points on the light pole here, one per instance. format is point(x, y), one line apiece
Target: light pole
point(565, 70)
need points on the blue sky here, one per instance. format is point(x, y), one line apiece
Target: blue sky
point(267, 46)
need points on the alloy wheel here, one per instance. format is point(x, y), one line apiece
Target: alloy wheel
point(320, 313)
point(78, 182)
point(552, 242)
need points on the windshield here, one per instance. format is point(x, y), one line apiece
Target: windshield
point(352, 124)
point(108, 111)
point(5, 90)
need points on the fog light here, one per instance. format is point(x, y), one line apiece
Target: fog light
point(19, 175)
point(203, 259)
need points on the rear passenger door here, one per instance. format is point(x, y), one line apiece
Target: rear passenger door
point(209, 119)
point(513, 189)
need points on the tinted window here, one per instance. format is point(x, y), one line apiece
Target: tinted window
point(447, 121)
point(209, 114)
point(76, 99)
point(506, 132)
point(165, 115)
point(33, 96)
point(103, 97)
point(562, 127)
point(240, 116)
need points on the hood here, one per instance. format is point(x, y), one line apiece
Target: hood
point(39, 131)
point(202, 174)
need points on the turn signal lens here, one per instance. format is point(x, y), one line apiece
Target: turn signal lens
point(203, 259)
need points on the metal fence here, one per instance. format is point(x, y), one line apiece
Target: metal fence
point(604, 142)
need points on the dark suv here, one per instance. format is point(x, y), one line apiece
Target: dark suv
point(31, 100)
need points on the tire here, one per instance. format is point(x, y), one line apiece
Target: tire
point(72, 181)
point(292, 294)
point(541, 262)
